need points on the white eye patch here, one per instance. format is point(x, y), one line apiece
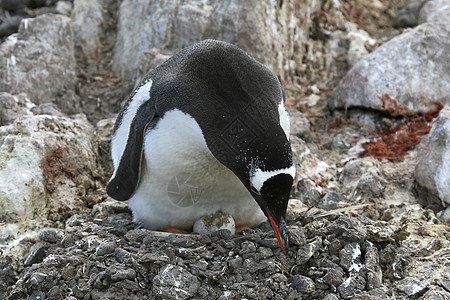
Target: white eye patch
point(259, 177)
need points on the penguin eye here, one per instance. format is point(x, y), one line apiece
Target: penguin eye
point(254, 190)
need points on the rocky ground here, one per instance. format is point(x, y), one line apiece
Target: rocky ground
point(367, 218)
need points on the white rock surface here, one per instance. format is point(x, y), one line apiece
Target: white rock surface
point(39, 61)
point(87, 22)
point(268, 30)
point(403, 75)
point(435, 11)
point(432, 172)
point(46, 166)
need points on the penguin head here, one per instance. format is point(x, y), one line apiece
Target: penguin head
point(273, 197)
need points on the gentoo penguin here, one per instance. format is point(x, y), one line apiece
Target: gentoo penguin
point(204, 132)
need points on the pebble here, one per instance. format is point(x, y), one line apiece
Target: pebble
point(105, 248)
point(51, 235)
point(303, 284)
point(307, 251)
point(297, 236)
point(36, 254)
point(173, 282)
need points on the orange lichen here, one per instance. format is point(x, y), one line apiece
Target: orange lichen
point(394, 143)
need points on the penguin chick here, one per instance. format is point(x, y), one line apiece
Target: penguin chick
point(206, 131)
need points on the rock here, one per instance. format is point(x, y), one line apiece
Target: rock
point(105, 248)
point(411, 286)
point(332, 200)
point(303, 284)
point(151, 24)
point(435, 11)
point(10, 26)
point(372, 264)
point(13, 106)
point(51, 235)
point(64, 8)
point(36, 255)
point(307, 192)
point(87, 22)
point(402, 76)
point(408, 15)
point(41, 55)
point(330, 297)
point(350, 257)
point(432, 171)
point(307, 251)
point(357, 48)
point(216, 222)
point(174, 282)
point(300, 125)
point(297, 236)
point(362, 177)
point(308, 165)
point(56, 160)
point(352, 285)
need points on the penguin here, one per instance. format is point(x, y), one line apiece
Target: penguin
point(205, 131)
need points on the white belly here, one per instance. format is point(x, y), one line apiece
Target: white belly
point(181, 180)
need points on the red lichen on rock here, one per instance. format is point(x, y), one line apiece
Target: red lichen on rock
point(394, 143)
point(53, 167)
point(391, 105)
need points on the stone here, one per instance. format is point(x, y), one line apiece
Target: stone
point(412, 286)
point(435, 11)
point(56, 159)
point(303, 284)
point(307, 251)
point(332, 200)
point(357, 48)
point(14, 106)
point(374, 273)
point(215, 222)
point(87, 22)
point(300, 125)
point(136, 235)
point(51, 235)
point(41, 55)
point(362, 177)
point(105, 248)
point(408, 16)
point(297, 236)
point(403, 76)
point(174, 282)
point(10, 26)
point(307, 164)
point(148, 25)
point(306, 191)
point(64, 8)
point(432, 170)
point(350, 257)
point(36, 255)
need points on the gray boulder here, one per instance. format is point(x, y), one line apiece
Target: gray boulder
point(87, 22)
point(13, 106)
point(46, 168)
point(435, 11)
point(432, 171)
point(269, 31)
point(402, 76)
point(39, 61)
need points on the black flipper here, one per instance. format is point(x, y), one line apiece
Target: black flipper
point(126, 179)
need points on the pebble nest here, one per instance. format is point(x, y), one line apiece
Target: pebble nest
point(104, 255)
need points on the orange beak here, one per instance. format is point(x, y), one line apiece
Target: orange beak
point(280, 232)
